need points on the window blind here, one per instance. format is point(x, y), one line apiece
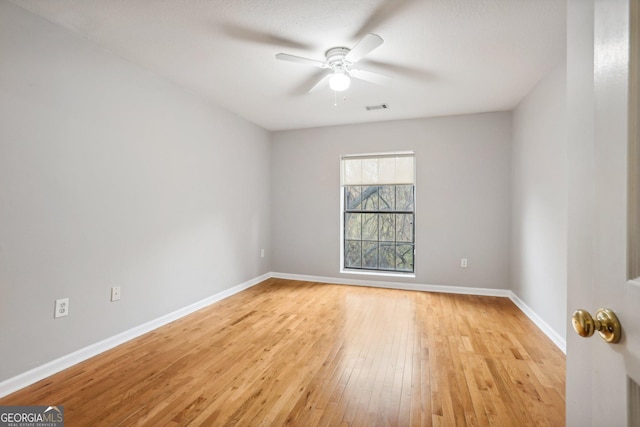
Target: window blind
point(378, 169)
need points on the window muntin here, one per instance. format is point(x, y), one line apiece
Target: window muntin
point(378, 227)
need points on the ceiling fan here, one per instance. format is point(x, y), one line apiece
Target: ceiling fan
point(340, 63)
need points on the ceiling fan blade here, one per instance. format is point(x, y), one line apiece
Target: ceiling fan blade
point(387, 10)
point(260, 37)
point(301, 60)
point(322, 83)
point(368, 43)
point(370, 76)
point(414, 73)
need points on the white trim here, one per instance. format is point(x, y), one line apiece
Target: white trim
point(382, 154)
point(36, 374)
point(560, 342)
point(397, 285)
point(378, 273)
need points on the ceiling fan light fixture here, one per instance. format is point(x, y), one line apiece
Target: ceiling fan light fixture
point(339, 81)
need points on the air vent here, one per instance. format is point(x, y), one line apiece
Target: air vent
point(377, 107)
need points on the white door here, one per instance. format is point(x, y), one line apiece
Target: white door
point(604, 232)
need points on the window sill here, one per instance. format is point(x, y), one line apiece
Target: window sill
point(377, 273)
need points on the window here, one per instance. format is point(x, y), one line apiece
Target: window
point(378, 199)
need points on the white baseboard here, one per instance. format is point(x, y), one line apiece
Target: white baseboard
point(398, 285)
point(537, 320)
point(34, 375)
point(560, 342)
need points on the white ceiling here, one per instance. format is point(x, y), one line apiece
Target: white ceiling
point(446, 57)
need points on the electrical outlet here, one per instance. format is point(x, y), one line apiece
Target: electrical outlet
point(463, 263)
point(62, 308)
point(261, 253)
point(115, 293)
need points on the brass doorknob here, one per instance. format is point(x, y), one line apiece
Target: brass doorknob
point(606, 323)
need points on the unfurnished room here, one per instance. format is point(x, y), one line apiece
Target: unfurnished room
point(335, 213)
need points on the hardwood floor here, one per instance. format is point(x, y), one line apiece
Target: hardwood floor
point(305, 354)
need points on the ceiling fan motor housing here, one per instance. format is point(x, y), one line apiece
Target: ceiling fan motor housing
point(335, 58)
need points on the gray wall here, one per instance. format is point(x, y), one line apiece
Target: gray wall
point(539, 200)
point(462, 196)
point(111, 176)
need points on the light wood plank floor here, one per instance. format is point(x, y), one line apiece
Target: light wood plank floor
point(305, 354)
